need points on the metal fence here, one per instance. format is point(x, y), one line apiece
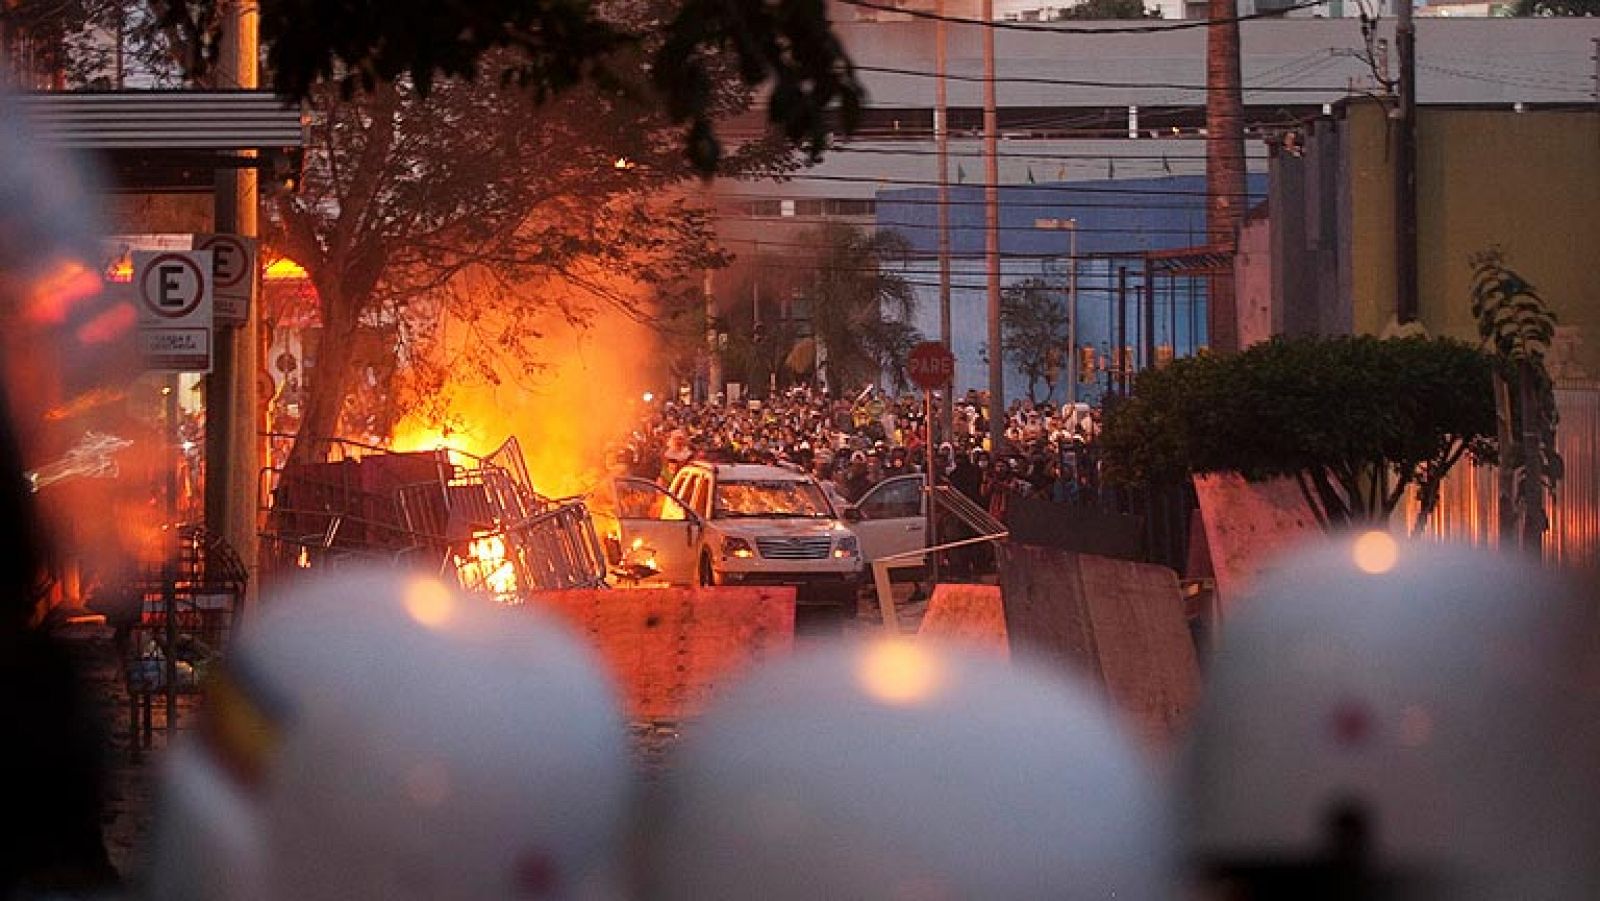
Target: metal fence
point(1469, 501)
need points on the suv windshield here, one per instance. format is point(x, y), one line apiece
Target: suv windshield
point(774, 498)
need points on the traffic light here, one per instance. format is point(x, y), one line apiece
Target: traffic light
point(1086, 368)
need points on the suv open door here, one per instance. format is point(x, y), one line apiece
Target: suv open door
point(649, 514)
point(891, 518)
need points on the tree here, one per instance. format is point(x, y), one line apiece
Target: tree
point(1109, 9)
point(485, 208)
point(1516, 328)
point(545, 46)
point(1556, 8)
point(860, 313)
point(1034, 332)
point(1225, 167)
point(1355, 421)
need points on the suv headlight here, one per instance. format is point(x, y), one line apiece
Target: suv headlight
point(848, 546)
point(735, 547)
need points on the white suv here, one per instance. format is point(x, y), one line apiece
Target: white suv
point(743, 525)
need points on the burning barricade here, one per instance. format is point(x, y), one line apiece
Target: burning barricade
point(474, 520)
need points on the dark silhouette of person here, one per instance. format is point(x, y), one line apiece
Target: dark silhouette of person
point(51, 743)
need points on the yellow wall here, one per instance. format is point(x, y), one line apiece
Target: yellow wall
point(1528, 182)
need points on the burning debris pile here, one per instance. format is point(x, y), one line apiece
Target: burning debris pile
point(474, 519)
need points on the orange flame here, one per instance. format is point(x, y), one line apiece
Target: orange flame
point(585, 397)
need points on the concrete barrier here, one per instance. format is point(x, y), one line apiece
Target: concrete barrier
point(1118, 623)
point(967, 614)
point(1248, 526)
point(670, 649)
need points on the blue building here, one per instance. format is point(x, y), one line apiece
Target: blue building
point(1118, 223)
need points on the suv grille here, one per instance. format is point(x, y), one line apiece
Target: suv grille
point(794, 548)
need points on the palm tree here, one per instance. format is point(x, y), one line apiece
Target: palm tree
point(1225, 170)
point(860, 313)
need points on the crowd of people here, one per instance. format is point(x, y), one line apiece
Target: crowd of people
point(852, 444)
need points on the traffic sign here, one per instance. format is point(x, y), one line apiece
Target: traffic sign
point(931, 366)
point(174, 292)
point(233, 275)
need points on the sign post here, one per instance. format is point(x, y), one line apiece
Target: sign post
point(175, 335)
point(174, 293)
point(233, 275)
point(931, 367)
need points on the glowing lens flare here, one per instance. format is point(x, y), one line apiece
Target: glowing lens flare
point(429, 602)
point(1376, 553)
point(898, 673)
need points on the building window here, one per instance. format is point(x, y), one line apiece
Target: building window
point(851, 206)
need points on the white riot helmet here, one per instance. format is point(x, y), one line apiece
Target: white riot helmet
point(1386, 720)
point(899, 770)
point(381, 736)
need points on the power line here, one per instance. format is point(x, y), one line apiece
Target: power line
point(887, 262)
point(1510, 67)
point(1092, 157)
point(1053, 28)
point(1084, 189)
point(1182, 206)
point(1512, 81)
point(1087, 230)
point(1091, 83)
point(1061, 126)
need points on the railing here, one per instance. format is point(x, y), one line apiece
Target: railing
point(883, 586)
point(1469, 499)
point(476, 520)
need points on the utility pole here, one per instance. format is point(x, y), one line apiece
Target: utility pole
point(1225, 168)
point(941, 138)
point(1148, 292)
point(1120, 361)
point(991, 211)
point(713, 352)
point(233, 411)
point(757, 335)
point(1405, 172)
point(1596, 58)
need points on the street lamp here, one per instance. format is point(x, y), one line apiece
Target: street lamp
point(1071, 225)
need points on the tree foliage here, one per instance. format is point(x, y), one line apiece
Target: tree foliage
point(1556, 8)
point(481, 207)
point(545, 46)
point(1109, 9)
point(1034, 330)
point(859, 311)
point(76, 43)
point(1356, 421)
point(1516, 328)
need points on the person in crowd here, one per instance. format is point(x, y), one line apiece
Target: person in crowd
point(875, 467)
point(856, 480)
point(676, 454)
point(997, 487)
point(795, 428)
